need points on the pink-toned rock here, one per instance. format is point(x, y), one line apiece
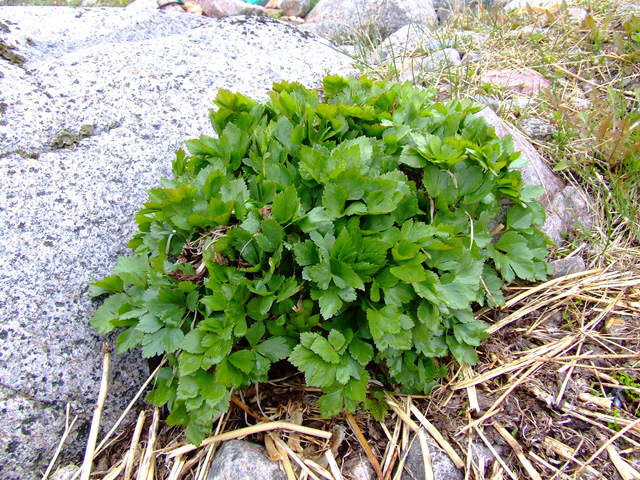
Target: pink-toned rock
point(580, 103)
point(527, 81)
point(291, 8)
point(567, 207)
point(228, 8)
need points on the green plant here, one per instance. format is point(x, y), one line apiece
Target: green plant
point(331, 234)
point(632, 28)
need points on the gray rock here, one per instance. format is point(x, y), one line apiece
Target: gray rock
point(522, 4)
point(341, 19)
point(65, 473)
point(473, 56)
point(447, 10)
point(537, 129)
point(291, 8)
point(442, 59)
point(567, 208)
point(627, 8)
point(91, 119)
point(238, 459)
point(567, 266)
point(414, 67)
point(358, 468)
point(295, 8)
point(482, 457)
point(407, 41)
point(476, 39)
point(493, 103)
point(443, 466)
point(577, 15)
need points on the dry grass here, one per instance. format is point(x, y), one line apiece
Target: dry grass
point(546, 396)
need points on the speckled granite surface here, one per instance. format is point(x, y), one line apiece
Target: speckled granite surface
point(90, 120)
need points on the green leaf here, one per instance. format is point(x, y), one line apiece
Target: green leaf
point(463, 352)
point(194, 433)
point(255, 333)
point(243, 360)
point(153, 344)
point(323, 348)
point(149, 323)
point(109, 284)
point(333, 85)
point(306, 253)
point(356, 389)
point(470, 333)
point(385, 320)
point(377, 406)
point(133, 270)
point(192, 342)
point(361, 351)
point(409, 273)
point(271, 235)
point(103, 319)
point(317, 372)
point(129, 339)
point(189, 363)
point(172, 338)
point(285, 206)
point(230, 376)
point(258, 307)
point(519, 217)
point(518, 255)
point(336, 339)
point(274, 348)
point(331, 404)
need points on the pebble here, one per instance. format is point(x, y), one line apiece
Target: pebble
point(238, 459)
point(567, 266)
point(537, 129)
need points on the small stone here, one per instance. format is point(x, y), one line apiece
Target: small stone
point(493, 103)
point(567, 266)
point(414, 67)
point(523, 4)
point(577, 15)
point(291, 8)
point(580, 103)
point(477, 39)
point(65, 473)
point(472, 56)
point(238, 459)
point(442, 59)
point(483, 457)
point(627, 8)
point(443, 466)
point(537, 129)
point(359, 468)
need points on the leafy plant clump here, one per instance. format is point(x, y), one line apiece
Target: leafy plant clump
point(336, 234)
